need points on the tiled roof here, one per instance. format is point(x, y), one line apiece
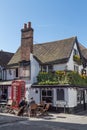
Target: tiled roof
point(50, 52)
point(5, 57)
point(54, 51)
point(84, 53)
point(16, 58)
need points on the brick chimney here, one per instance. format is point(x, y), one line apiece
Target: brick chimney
point(26, 42)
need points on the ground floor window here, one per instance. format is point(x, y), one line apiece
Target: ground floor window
point(76, 68)
point(60, 94)
point(47, 95)
point(3, 92)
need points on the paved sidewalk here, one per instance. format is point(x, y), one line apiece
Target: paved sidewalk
point(8, 118)
point(66, 118)
point(54, 117)
point(53, 121)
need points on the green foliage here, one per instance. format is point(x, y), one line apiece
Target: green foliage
point(77, 59)
point(61, 77)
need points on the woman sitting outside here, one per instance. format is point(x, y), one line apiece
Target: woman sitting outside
point(32, 107)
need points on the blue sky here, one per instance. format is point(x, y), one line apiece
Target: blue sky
point(51, 19)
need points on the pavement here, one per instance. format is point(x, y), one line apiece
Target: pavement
point(80, 118)
point(9, 118)
point(54, 121)
point(64, 118)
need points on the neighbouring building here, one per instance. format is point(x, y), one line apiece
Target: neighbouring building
point(4, 85)
point(23, 69)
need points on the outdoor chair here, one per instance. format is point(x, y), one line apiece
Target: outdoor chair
point(8, 106)
point(21, 111)
point(11, 107)
point(33, 110)
point(44, 111)
point(42, 103)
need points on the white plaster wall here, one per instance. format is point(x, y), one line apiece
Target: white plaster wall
point(11, 75)
point(31, 92)
point(4, 74)
point(72, 95)
point(1, 72)
point(36, 96)
point(34, 69)
point(27, 90)
point(9, 92)
point(66, 98)
point(59, 67)
point(71, 63)
point(54, 97)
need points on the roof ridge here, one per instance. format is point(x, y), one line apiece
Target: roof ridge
point(74, 37)
point(6, 51)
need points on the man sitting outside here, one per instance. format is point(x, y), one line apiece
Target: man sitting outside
point(22, 105)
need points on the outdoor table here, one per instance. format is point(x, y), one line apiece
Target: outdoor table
point(3, 103)
point(2, 106)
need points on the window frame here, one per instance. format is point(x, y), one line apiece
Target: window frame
point(48, 98)
point(60, 96)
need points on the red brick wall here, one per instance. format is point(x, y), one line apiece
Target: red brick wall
point(26, 42)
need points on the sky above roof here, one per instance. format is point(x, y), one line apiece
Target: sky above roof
point(51, 20)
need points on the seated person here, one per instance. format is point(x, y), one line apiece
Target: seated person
point(32, 107)
point(22, 105)
point(32, 101)
point(23, 102)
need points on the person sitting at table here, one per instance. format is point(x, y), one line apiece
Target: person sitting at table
point(32, 101)
point(22, 105)
point(32, 107)
point(43, 103)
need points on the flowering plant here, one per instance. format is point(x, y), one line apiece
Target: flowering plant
point(77, 59)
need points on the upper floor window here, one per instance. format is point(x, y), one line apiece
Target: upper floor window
point(46, 68)
point(43, 68)
point(76, 68)
point(50, 68)
point(75, 52)
point(16, 72)
point(10, 72)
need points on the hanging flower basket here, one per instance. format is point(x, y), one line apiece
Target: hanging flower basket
point(77, 59)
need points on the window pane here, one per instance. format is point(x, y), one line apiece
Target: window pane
point(44, 68)
point(50, 68)
point(60, 94)
point(16, 72)
point(43, 92)
point(76, 68)
point(75, 52)
point(49, 93)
